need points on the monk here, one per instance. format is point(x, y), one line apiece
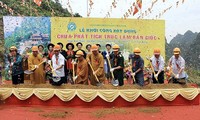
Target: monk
point(97, 62)
point(82, 69)
point(33, 61)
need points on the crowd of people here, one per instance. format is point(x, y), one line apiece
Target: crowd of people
point(93, 66)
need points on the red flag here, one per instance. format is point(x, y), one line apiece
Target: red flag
point(38, 2)
point(137, 6)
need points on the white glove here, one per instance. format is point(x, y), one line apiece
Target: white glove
point(177, 76)
point(36, 66)
point(49, 62)
point(107, 55)
point(168, 68)
point(129, 63)
point(75, 77)
point(94, 73)
point(44, 60)
point(133, 74)
point(156, 75)
point(112, 69)
point(73, 62)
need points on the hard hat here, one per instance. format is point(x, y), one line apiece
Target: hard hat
point(94, 48)
point(176, 51)
point(35, 48)
point(157, 51)
point(13, 48)
point(137, 51)
point(56, 47)
point(115, 47)
point(79, 53)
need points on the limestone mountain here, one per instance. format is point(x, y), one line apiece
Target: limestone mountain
point(188, 43)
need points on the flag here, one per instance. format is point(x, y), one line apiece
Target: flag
point(38, 2)
point(138, 6)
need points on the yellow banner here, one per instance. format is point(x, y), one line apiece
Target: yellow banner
point(128, 34)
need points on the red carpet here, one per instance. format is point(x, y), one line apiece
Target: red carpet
point(133, 113)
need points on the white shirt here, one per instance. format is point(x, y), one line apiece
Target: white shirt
point(158, 63)
point(178, 64)
point(61, 61)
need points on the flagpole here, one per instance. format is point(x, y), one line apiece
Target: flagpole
point(30, 8)
point(87, 9)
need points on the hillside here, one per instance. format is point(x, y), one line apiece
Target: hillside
point(184, 42)
point(193, 54)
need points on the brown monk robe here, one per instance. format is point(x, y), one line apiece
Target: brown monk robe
point(25, 56)
point(82, 69)
point(97, 62)
point(37, 77)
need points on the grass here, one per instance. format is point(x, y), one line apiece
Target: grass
point(149, 109)
point(108, 111)
point(194, 76)
point(36, 110)
point(53, 114)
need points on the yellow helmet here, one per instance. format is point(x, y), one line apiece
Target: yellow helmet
point(13, 48)
point(176, 51)
point(56, 47)
point(137, 51)
point(35, 48)
point(115, 46)
point(157, 51)
point(79, 53)
point(94, 48)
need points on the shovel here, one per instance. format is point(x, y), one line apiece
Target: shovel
point(114, 82)
point(73, 72)
point(98, 84)
point(152, 68)
point(55, 79)
point(28, 72)
point(131, 72)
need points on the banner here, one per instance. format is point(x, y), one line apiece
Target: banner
point(24, 32)
point(128, 34)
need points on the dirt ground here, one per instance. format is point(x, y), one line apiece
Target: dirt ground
point(8, 84)
point(133, 113)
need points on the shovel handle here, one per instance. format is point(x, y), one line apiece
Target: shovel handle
point(73, 72)
point(110, 67)
point(41, 63)
point(131, 72)
point(37, 65)
point(93, 71)
point(52, 70)
point(153, 70)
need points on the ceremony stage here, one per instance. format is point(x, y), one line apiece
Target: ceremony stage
point(98, 97)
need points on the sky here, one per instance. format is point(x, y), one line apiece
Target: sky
point(178, 19)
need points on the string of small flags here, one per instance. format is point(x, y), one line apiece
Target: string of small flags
point(114, 5)
point(91, 3)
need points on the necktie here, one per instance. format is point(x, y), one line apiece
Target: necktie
point(157, 64)
point(14, 59)
point(57, 60)
point(177, 65)
point(134, 63)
